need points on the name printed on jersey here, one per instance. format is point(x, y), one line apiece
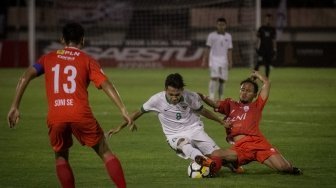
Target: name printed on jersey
point(67, 55)
point(63, 102)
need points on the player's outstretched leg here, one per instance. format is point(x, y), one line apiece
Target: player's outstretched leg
point(279, 163)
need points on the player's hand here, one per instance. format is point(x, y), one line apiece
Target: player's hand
point(13, 117)
point(114, 131)
point(133, 127)
point(227, 123)
point(255, 75)
point(204, 63)
point(127, 118)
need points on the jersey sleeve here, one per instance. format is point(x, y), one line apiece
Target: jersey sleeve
point(224, 107)
point(97, 75)
point(39, 65)
point(150, 105)
point(195, 101)
point(261, 102)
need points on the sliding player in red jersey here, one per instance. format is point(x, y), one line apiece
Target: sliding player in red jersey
point(249, 144)
point(68, 73)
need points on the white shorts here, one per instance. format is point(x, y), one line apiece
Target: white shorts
point(219, 72)
point(197, 137)
point(219, 67)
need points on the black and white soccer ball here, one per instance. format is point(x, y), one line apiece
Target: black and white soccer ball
point(198, 171)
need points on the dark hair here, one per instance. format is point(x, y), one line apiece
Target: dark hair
point(269, 15)
point(175, 81)
point(221, 19)
point(73, 32)
point(251, 80)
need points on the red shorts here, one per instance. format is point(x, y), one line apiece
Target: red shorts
point(87, 133)
point(253, 148)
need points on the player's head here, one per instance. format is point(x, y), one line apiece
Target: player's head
point(221, 25)
point(73, 33)
point(248, 90)
point(174, 87)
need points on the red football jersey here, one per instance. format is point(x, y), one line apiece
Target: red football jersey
point(68, 73)
point(245, 118)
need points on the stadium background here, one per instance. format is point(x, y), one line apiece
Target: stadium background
point(158, 33)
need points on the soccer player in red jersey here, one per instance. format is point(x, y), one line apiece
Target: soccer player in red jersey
point(244, 116)
point(68, 73)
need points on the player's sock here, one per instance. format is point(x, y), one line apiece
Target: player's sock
point(190, 151)
point(64, 173)
point(220, 90)
point(115, 170)
point(212, 89)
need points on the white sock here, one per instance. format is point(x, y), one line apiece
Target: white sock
point(190, 151)
point(212, 89)
point(220, 90)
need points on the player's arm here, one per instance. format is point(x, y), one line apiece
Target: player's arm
point(135, 115)
point(208, 101)
point(230, 58)
point(258, 41)
point(113, 94)
point(265, 89)
point(210, 115)
point(205, 59)
point(14, 113)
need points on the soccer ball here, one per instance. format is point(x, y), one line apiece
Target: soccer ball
point(197, 171)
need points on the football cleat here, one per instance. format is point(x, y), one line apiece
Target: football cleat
point(204, 161)
point(296, 171)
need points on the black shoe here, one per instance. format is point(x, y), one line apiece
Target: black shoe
point(296, 171)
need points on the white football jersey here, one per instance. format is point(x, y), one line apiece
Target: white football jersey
point(176, 118)
point(219, 45)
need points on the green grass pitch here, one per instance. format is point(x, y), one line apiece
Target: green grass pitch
point(299, 120)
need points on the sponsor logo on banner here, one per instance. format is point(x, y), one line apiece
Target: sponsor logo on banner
point(142, 54)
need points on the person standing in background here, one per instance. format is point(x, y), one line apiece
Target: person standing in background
point(218, 55)
point(266, 46)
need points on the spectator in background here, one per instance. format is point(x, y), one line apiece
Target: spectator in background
point(218, 55)
point(266, 46)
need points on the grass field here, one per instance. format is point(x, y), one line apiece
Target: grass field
point(299, 120)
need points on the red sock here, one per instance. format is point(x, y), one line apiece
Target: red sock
point(64, 174)
point(115, 170)
point(218, 162)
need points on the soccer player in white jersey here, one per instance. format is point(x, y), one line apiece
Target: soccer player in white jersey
point(218, 55)
point(179, 113)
